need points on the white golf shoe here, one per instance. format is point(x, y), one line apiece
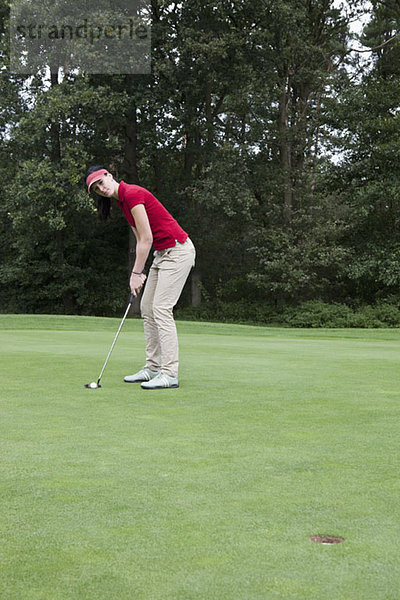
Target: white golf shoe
point(145, 374)
point(160, 382)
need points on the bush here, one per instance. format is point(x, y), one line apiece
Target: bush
point(308, 314)
point(318, 314)
point(230, 312)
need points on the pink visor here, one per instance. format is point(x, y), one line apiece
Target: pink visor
point(93, 177)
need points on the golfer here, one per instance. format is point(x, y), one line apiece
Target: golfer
point(174, 257)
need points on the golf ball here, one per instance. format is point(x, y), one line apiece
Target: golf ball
point(93, 385)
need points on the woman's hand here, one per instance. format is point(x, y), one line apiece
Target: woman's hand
point(136, 282)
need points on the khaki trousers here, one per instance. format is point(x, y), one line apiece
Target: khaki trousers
point(164, 285)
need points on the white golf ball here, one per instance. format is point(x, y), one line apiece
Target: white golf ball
point(93, 385)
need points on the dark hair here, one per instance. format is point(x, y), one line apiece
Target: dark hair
point(103, 204)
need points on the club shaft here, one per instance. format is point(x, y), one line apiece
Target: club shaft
point(115, 339)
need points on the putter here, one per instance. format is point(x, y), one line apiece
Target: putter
point(95, 385)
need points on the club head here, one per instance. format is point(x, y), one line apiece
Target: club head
point(92, 386)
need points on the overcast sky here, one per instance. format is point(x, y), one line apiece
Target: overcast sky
point(357, 25)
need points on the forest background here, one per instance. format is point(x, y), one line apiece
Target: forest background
point(268, 128)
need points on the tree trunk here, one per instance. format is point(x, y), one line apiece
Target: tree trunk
point(196, 288)
point(131, 168)
point(188, 156)
point(285, 155)
point(131, 148)
point(209, 116)
point(55, 141)
point(68, 299)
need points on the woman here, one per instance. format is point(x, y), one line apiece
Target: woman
point(174, 257)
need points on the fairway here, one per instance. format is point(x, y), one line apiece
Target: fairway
point(207, 492)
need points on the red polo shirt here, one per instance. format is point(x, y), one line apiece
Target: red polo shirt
point(166, 231)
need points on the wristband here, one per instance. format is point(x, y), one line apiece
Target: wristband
point(142, 273)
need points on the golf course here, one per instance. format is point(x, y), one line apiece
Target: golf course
point(209, 491)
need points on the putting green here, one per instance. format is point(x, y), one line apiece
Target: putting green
point(211, 491)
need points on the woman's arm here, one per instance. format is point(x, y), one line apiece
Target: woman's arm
point(144, 241)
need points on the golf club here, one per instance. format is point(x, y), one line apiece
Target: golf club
point(95, 385)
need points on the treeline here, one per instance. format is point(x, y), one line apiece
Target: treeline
point(262, 128)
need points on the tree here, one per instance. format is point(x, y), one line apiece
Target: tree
point(369, 177)
point(231, 131)
point(296, 228)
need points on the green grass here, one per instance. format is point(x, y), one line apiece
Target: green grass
point(208, 492)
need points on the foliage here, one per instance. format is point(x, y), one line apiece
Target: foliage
point(273, 145)
point(368, 178)
point(57, 264)
point(313, 313)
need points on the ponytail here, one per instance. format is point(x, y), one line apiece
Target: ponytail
point(103, 208)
